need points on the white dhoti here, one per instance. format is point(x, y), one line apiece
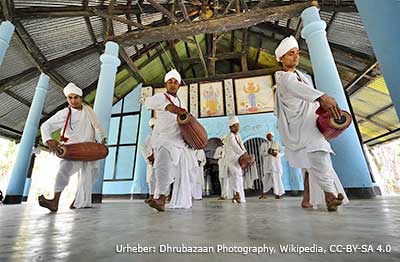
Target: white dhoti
point(151, 181)
point(236, 181)
point(273, 180)
point(224, 181)
point(322, 178)
point(197, 181)
point(250, 176)
point(87, 173)
point(167, 173)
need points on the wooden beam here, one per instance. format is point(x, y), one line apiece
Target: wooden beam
point(163, 10)
point(75, 55)
point(175, 56)
point(218, 57)
point(20, 78)
point(76, 11)
point(189, 57)
point(381, 136)
point(351, 86)
point(124, 55)
point(379, 111)
point(109, 22)
point(213, 54)
point(251, 73)
point(150, 59)
point(17, 97)
point(299, 27)
point(117, 18)
point(85, 5)
point(187, 19)
point(162, 59)
point(12, 130)
point(366, 119)
point(228, 7)
point(21, 100)
point(232, 47)
point(27, 43)
point(219, 25)
point(244, 50)
point(260, 39)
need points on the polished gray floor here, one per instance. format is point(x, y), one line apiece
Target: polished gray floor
point(30, 233)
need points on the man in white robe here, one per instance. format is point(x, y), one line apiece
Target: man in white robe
point(148, 155)
point(198, 175)
point(270, 151)
point(296, 101)
point(79, 124)
point(226, 192)
point(250, 175)
point(234, 150)
point(174, 160)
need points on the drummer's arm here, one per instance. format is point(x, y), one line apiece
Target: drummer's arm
point(235, 147)
point(174, 109)
point(51, 125)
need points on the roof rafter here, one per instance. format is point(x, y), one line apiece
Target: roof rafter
point(219, 25)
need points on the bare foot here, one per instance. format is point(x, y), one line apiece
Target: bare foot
point(332, 202)
point(49, 204)
point(263, 196)
point(237, 198)
point(157, 204)
point(306, 205)
point(221, 198)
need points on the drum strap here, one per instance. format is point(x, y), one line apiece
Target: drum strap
point(237, 141)
point(170, 100)
point(63, 138)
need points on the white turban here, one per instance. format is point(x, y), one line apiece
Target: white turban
point(71, 88)
point(285, 45)
point(172, 74)
point(233, 120)
point(269, 133)
point(152, 122)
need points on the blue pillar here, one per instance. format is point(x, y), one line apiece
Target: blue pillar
point(139, 182)
point(27, 187)
point(103, 103)
point(349, 161)
point(6, 32)
point(17, 180)
point(382, 20)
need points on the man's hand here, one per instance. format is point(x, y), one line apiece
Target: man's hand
point(104, 141)
point(175, 109)
point(329, 104)
point(53, 145)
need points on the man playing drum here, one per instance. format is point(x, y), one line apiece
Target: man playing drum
point(296, 101)
point(234, 150)
point(79, 124)
point(174, 160)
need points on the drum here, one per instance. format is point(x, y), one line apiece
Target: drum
point(87, 151)
point(330, 127)
point(245, 161)
point(192, 131)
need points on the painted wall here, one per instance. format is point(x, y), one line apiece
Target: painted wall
point(252, 126)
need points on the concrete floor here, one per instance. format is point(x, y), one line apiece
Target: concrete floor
point(30, 233)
